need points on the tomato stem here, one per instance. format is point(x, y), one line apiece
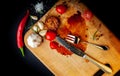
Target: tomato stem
point(22, 51)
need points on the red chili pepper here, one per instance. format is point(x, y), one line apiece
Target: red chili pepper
point(20, 29)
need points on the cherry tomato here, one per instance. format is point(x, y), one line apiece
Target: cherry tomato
point(53, 45)
point(61, 8)
point(87, 14)
point(50, 35)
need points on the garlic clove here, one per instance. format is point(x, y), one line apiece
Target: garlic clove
point(35, 28)
point(34, 17)
point(43, 32)
point(40, 25)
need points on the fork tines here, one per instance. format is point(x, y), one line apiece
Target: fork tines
point(72, 39)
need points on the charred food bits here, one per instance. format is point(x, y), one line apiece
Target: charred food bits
point(52, 23)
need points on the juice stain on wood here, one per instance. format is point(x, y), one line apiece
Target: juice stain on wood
point(76, 26)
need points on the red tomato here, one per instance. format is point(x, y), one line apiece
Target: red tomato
point(54, 45)
point(61, 8)
point(50, 35)
point(87, 14)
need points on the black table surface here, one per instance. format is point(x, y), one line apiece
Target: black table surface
point(12, 61)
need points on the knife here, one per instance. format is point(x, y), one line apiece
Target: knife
point(83, 54)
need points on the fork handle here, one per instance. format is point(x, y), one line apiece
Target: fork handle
point(100, 65)
point(102, 47)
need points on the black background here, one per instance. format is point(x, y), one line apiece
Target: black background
point(11, 12)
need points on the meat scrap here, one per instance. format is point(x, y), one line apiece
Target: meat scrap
point(52, 23)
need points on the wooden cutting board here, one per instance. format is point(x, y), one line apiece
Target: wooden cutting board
point(73, 65)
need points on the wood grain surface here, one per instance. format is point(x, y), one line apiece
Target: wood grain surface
point(73, 65)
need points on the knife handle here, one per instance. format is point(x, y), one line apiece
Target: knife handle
point(100, 65)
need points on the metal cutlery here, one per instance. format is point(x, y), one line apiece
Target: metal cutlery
point(83, 54)
point(74, 39)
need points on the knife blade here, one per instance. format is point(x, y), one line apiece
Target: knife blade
point(80, 53)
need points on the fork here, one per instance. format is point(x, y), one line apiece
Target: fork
point(75, 40)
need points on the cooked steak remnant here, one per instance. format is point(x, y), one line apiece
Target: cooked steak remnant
point(52, 23)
